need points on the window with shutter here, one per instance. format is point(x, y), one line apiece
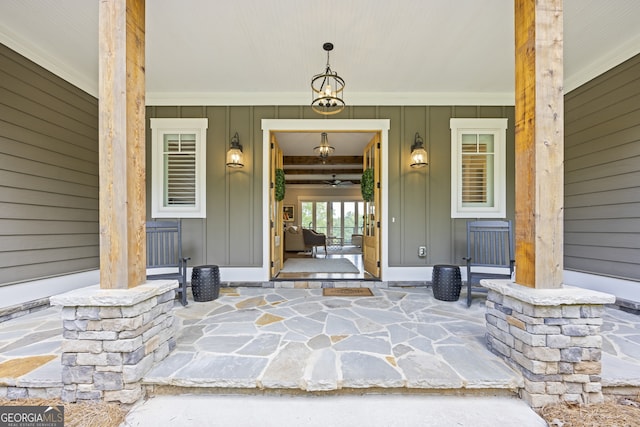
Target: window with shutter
point(477, 164)
point(478, 168)
point(178, 168)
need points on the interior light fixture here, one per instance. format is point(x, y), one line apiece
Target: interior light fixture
point(235, 159)
point(327, 89)
point(324, 149)
point(419, 156)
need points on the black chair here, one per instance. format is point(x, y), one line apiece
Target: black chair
point(313, 239)
point(489, 246)
point(164, 251)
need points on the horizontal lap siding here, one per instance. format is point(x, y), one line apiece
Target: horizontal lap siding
point(602, 174)
point(48, 173)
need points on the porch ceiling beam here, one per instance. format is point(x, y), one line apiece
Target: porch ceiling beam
point(121, 143)
point(315, 160)
point(539, 143)
point(320, 182)
point(328, 171)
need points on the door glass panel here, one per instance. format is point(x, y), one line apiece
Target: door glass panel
point(320, 223)
point(307, 214)
point(350, 226)
point(340, 219)
point(371, 219)
point(336, 219)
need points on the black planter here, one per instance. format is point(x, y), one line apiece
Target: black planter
point(205, 283)
point(446, 282)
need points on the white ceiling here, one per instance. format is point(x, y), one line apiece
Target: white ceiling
point(264, 52)
point(302, 143)
point(256, 52)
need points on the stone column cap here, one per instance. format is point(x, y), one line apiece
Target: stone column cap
point(96, 296)
point(565, 295)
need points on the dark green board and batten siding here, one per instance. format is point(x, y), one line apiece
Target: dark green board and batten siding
point(419, 199)
point(602, 174)
point(48, 173)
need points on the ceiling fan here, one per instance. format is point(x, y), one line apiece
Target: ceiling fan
point(334, 182)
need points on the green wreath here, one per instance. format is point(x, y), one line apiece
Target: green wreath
point(280, 184)
point(367, 184)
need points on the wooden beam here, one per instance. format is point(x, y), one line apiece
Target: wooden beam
point(315, 160)
point(328, 171)
point(121, 143)
point(321, 182)
point(539, 143)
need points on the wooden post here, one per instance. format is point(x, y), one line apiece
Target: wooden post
point(539, 143)
point(121, 143)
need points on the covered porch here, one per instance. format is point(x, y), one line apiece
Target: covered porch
point(283, 340)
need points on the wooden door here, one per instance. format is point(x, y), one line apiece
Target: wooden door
point(371, 235)
point(275, 210)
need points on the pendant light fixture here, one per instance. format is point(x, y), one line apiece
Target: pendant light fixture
point(327, 89)
point(324, 149)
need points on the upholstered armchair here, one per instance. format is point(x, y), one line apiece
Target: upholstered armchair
point(313, 239)
point(293, 239)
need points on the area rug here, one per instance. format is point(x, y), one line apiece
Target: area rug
point(319, 265)
point(347, 292)
point(350, 249)
point(335, 250)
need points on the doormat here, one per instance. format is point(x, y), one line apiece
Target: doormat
point(347, 292)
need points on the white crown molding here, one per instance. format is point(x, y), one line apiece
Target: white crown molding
point(372, 98)
point(89, 84)
point(603, 64)
point(50, 63)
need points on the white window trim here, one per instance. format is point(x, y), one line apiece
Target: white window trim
point(499, 128)
point(159, 127)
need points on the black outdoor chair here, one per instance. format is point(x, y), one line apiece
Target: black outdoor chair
point(489, 246)
point(164, 251)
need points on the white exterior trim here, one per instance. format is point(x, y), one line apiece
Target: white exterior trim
point(159, 127)
point(621, 288)
point(499, 128)
point(20, 293)
point(298, 98)
point(87, 83)
point(602, 64)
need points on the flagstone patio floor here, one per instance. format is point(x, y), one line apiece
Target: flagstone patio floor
point(297, 340)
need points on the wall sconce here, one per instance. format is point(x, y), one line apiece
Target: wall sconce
point(235, 158)
point(419, 156)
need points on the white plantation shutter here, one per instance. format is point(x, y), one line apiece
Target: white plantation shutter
point(178, 151)
point(180, 169)
point(477, 162)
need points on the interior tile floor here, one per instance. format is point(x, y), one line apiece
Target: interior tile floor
point(297, 339)
point(355, 258)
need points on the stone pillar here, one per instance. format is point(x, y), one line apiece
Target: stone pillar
point(552, 336)
point(112, 337)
